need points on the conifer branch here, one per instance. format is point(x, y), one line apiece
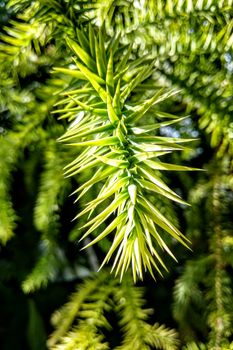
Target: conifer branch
point(126, 157)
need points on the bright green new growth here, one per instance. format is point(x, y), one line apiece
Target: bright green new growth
point(125, 157)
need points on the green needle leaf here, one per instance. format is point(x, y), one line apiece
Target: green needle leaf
point(108, 230)
point(82, 54)
point(94, 80)
point(99, 60)
point(109, 76)
point(111, 113)
point(73, 73)
point(107, 141)
point(158, 97)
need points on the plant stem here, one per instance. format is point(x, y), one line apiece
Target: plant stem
point(218, 265)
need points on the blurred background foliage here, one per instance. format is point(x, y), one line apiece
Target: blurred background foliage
point(41, 264)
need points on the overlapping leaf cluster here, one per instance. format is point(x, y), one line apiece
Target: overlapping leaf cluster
point(125, 157)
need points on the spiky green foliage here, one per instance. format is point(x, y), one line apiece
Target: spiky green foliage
point(191, 42)
point(90, 302)
point(126, 155)
point(79, 323)
point(138, 334)
point(82, 338)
